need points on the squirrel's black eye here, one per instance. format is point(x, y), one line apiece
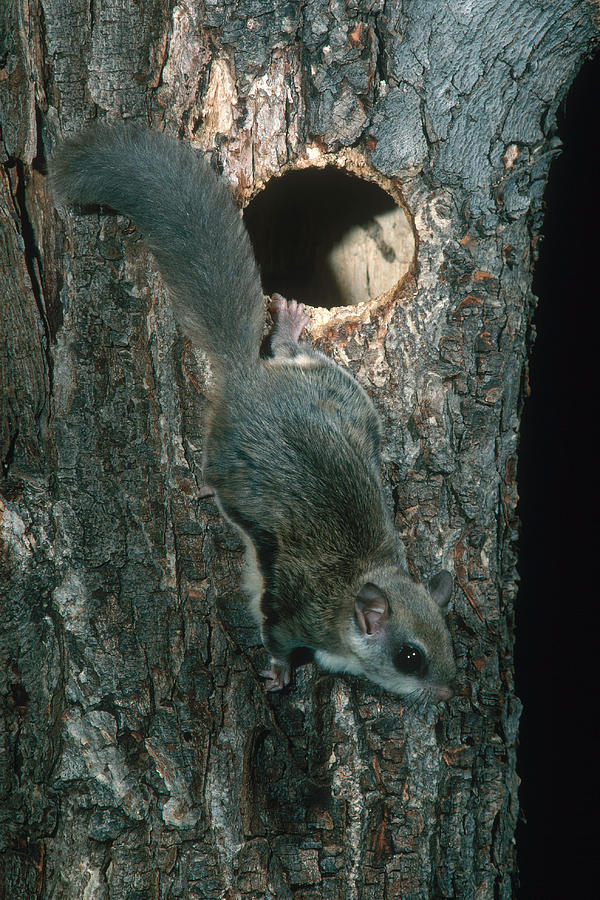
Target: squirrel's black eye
point(409, 660)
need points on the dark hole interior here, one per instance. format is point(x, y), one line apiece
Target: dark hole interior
point(328, 238)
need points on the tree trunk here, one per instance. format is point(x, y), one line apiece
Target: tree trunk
point(139, 755)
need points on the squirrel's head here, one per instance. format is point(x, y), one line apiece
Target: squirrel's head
point(398, 636)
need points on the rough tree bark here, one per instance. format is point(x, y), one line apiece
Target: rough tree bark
point(139, 754)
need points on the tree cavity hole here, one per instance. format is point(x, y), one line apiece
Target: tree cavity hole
point(326, 237)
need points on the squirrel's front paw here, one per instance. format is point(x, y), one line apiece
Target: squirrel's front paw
point(278, 676)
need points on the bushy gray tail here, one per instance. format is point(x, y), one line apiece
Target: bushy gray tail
point(189, 221)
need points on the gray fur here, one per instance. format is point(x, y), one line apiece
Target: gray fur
point(183, 210)
point(292, 444)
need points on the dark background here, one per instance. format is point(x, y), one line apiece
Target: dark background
point(557, 607)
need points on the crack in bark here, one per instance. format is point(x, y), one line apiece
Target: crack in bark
point(33, 263)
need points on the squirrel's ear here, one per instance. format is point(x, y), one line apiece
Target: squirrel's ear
point(372, 609)
point(440, 588)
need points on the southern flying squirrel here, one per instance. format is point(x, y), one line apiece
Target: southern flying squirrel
point(292, 441)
